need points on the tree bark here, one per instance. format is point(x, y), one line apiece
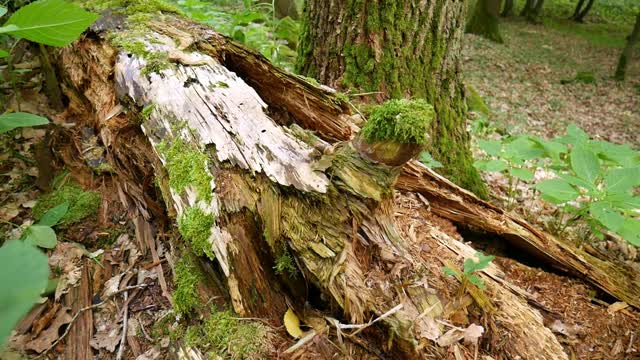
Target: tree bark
point(508, 8)
point(578, 9)
point(396, 49)
point(484, 21)
point(280, 167)
point(627, 52)
point(579, 14)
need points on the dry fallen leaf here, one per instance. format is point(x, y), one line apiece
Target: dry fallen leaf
point(106, 338)
point(292, 324)
point(50, 335)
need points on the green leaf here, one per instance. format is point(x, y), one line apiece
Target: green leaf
point(630, 231)
point(574, 180)
point(8, 28)
point(491, 165)
point(557, 190)
point(585, 163)
point(625, 202)
point(3, 10)
point(41, 235)
point(54, 215)
point(552, 149)
point(622, 180)
point(574, 136)
point(50, 22)
point(450, 272)
point(23, 275)
point(491, 147)
point(11, 121)
point(476, 280)
point(607, 216)
point(621, 155)
point(522, 174)
point(478, 262)
point(3, 53)
point(522, 148)
point(429, 161)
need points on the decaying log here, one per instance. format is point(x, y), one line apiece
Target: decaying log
point(227, 134)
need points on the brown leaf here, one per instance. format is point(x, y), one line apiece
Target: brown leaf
point(49, 336)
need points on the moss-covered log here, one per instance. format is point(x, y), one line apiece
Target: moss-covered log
point(484, 20)
point(396, 49)
point(254, 191)
point(251, 188)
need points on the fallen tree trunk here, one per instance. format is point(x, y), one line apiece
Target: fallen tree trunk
point(228, 137)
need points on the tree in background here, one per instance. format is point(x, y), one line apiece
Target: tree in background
point(632, 40)
point(508, 8)
point(397, 49)
point(532, 10)
point(582, 10)
point(484, 21)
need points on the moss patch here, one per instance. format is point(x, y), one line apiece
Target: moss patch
point(403, 121)
point(475, 101)
point(82, 203)
point(226, 336)
point(131, 7)
point(188, 167)
point(195, 226)
point(187, 277)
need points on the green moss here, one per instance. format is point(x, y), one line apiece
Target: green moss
point(224, 335)
point(187, 277)
point(195, 226)
point(187, 167)
point(475, 101)
point(156, 62)
point(147, 110)
point(131, 7)
point(403, 121)
point(82, 203)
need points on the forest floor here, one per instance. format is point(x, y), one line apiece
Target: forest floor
point(522, 80)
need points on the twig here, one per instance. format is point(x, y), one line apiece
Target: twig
point(91, 307)
point(123, 340)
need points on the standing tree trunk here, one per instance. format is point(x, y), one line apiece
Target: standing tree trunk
point(580, 13)
point(484, 21)
point(532, 10)
point(627, 52)
point(508, 8)
point(284, 8)
point(397, 49)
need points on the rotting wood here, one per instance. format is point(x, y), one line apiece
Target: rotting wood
point(327, 221)
point(79, 297)
point(447, 199)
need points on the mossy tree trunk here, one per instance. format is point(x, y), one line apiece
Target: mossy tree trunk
point(507, 10)
point(396, 49)
point(484, 21)
point(627, 52)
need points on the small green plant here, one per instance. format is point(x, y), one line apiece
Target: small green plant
point(595, 181)
point(46, 22)
point(427, 160)
point(472, 265)
point(41, 233)
point(24, 272)
point(512, 157)
point(286, 264)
